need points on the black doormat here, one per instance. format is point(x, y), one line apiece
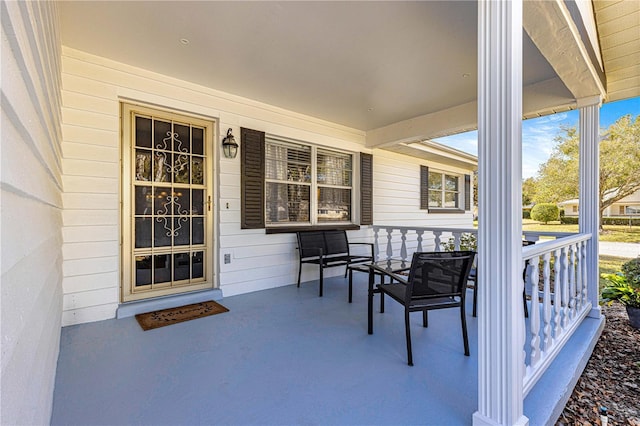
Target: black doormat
point(170, 316)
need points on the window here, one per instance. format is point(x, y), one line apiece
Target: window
point(444, 191)
point(295, 171)
point(574, 209)
point(632, 210)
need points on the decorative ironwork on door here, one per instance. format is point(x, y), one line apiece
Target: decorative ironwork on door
point(170, 199)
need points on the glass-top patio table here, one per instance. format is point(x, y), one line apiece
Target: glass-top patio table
point(390, 265)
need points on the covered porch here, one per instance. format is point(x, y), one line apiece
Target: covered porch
point(286, 356)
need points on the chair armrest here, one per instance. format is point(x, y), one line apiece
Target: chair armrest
point(402, 279)
point(365, 244)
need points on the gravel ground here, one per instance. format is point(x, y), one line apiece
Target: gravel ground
point(611, 377)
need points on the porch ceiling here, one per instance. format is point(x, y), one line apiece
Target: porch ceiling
point(361, 64)
point(401, 71)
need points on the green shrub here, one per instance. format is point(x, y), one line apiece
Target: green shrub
point(631, 271)
point(526, 214)
point(569, 220)
point(545, 212)
point(625, 221)
point(467, 242)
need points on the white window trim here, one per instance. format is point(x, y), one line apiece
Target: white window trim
point(313, 202)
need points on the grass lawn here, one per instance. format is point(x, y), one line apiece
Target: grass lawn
point(611, 233)
point(610, 265)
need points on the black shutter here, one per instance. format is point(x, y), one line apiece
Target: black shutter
point(366, 189)
point(252, 179)
point(424, 188)
point(467, 192)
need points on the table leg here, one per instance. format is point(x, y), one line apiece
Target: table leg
point(370, 302)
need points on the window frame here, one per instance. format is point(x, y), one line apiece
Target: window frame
point(443, 191)
point(314, 187)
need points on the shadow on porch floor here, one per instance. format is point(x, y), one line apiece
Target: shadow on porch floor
point(280, 356)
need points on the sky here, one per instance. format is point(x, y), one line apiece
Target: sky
point(538, 133)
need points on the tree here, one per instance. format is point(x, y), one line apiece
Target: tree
point(557, 179)
point(545, 212)
point(528, 191)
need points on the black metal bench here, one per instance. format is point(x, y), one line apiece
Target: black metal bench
point(327, 249)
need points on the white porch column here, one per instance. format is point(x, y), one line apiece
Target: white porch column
point(589, 221)
point(501, 331)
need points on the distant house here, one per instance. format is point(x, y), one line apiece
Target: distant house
point(627, 206)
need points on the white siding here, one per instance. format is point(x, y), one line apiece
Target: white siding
point(396, 193)
point(92, 90)
point(31, 210)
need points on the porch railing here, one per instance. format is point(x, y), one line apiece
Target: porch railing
point(556, 268)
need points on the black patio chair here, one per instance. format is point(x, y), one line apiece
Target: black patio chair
point(473, 276)
point(437, 280)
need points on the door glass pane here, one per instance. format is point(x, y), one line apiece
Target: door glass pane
point(143, 270)
point(142, 232)
point(162, 200)
point(197, 269)
point(143, 165)
point(180, 168)
point(162, 135)
point(181, 201)
point(181, 266)
point(198, 230)
point(162, 231)
point(198, 201)
point(144, 200)
point(181, 138)
point(143, 132)
point(197, 170)
point(181, 231)
point(161, 164)
point(161, 268)
point(197, 141)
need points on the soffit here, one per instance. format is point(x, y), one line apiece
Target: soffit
point(618, 24)
point(361, 64)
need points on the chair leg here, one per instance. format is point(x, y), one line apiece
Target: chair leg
point(321, 279)
point(299, 273)
point(408, 335)
point(350, 285)
point(425, 318)
point(465, 337)
point(382, 296)
point(475, 298)
point(524, 302)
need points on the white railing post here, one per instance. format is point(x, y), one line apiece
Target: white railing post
point(376, 249)
point(558, 300)
point(534, 312)
point(419, 232)
point(403, 248)
point(589, 219)
point(501, 328)
point(389, 243)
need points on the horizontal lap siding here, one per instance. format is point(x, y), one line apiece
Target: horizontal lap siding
point(31, 189)
point(92, 89)
point(396, 195)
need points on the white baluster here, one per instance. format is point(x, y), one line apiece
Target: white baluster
point(403, 247)
point(557, 294)
point(436, 240)
point(389, 245)
point(572, 282)
point(534, 312)
point(583, 268)
point(564, 277)
point(419, 232)
point(546, 301)
point(456, 239)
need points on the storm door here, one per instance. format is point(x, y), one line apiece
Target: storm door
point(166, 203)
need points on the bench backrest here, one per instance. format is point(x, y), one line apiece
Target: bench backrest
point(331, 242)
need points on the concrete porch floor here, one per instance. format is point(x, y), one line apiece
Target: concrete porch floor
point(285, 356)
